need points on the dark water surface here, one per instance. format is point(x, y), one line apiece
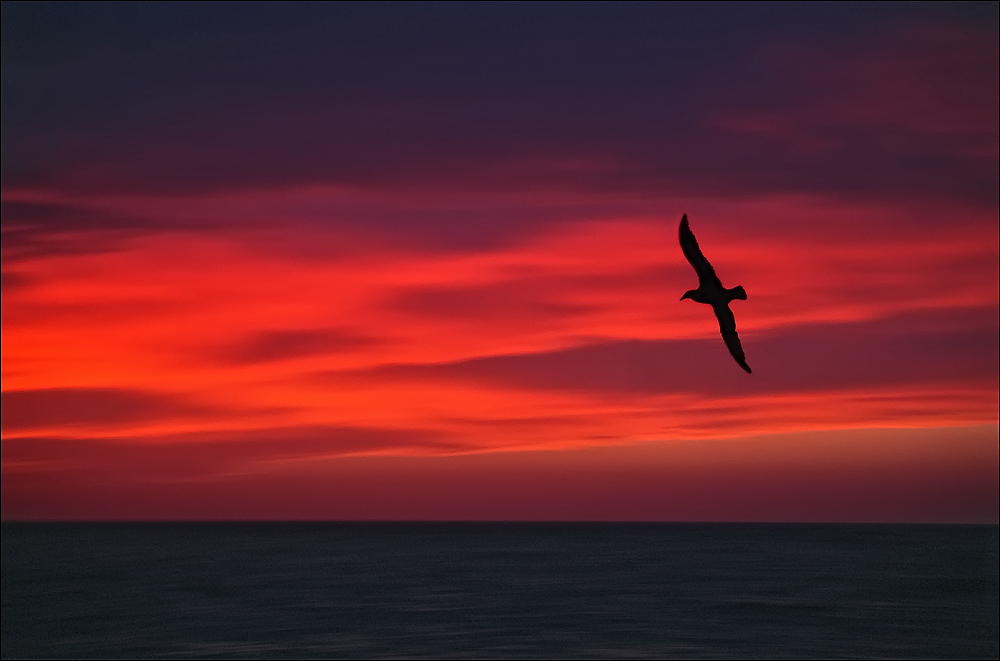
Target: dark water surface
point(498, 590)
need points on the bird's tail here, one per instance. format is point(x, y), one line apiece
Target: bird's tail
point(737, 292)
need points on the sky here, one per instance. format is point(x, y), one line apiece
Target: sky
point(419, 261)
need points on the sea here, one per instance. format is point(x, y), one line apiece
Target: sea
point(498, 590)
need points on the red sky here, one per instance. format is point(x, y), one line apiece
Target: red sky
point(428, 268)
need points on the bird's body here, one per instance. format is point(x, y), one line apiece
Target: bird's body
point(711, 292)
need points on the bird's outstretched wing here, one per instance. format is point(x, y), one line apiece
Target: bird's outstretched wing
point(727, 326)
point(689, 245)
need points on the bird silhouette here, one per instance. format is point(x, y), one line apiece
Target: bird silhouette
point(711, 292)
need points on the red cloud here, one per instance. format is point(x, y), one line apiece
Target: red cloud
point(89, 407)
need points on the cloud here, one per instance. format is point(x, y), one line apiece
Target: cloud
point(496, 303)
point(737, 103)
point(37, 225)
point(577, 322)
point(88, 407)
point(210, 455)
point(32, 230)
point(871, 475)
point(260, 236)
point(814, 357)
point(906, 111)
point(268, 346)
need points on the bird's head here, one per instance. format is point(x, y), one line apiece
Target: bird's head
point(688, 294)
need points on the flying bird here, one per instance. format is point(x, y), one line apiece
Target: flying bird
point(711, 292)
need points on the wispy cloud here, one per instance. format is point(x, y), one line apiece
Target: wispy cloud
point(439, 230)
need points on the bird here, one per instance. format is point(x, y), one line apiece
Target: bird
point(711, 292)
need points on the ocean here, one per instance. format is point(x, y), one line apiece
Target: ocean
point(498, 590)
